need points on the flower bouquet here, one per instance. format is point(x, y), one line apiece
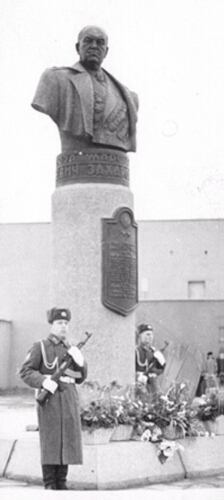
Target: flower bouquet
point(208, 407)
point(98, 413)
point(152, 433)
point(111, 406)
point(172, 412)
point(129, 411)
point(98, 410)
point(166, 450)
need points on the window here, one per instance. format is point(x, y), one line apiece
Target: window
point(196, 290)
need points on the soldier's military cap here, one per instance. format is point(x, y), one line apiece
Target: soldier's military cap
point(55, 313)
point(144, 328)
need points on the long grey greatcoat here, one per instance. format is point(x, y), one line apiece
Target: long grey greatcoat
point(59, 419)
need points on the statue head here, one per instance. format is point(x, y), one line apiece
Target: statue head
point(92, 46)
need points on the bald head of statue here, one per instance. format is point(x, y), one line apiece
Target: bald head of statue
point(92, 46)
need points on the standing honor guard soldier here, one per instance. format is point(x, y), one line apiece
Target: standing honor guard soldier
point(59, 419)
point(149, 363)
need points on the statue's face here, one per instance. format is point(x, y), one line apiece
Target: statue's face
point(92, 47)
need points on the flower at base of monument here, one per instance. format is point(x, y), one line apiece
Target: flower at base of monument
point(129, 408)
point(98, 414)
point(153, 433)
point(182, 386)
point(171, 411)
point(146, 436)
point(109, 405)
point(170, 415)
point(208, 406)
point(97, 408)
point(166, 450)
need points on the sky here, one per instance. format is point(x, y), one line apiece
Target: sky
point(170, 52)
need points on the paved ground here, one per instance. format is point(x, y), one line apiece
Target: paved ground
point(18, 410)
point(188, 484)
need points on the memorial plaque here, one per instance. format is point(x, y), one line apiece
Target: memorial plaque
point(120, 262)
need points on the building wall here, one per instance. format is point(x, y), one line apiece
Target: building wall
point(24, 287)
point(181, 259)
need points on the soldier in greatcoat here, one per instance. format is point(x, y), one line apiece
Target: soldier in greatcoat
point(59, 419)
point(149, 362)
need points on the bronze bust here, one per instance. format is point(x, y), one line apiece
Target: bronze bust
point(89, 106)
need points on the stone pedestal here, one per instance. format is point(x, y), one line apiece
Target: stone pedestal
point(77, 213)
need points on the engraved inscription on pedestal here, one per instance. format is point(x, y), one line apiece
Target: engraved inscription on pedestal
point(96, 165)
point(120, 262)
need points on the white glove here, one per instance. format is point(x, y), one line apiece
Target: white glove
point(76, 354)
point(142, 378)
point(50, 385)
point(159, 356)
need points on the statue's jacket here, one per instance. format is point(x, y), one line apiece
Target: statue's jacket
point(59, 419)
point(66, 95)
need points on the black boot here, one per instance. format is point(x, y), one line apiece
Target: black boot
point(49, 476)
point(61, 475)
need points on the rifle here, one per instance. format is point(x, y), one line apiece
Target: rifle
point(44, 396)
point(154, 360)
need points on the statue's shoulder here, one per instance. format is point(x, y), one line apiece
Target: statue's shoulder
point(134, 95)
point(60, 71)
point(63, 69)
point(135, 98)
